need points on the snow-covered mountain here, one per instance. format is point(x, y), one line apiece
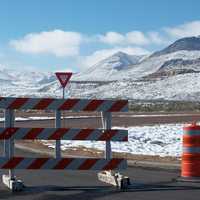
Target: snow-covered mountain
point(112, 68)
point(183, 44)
point(172, 73)
point(183, 56)
point(15, 77)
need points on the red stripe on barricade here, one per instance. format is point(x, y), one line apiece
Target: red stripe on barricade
point(62, 164)
point(43, 104)
point(64, 133)
point(37, 163)
point(93, 105)
point(33, 133)
point(87, 164)
point(12, 163)
point(17, 103)
point(107, 135)
point(7, 133)
point(69, 104)
point(118, 105)
point(112, 164)
point(58, 134)
point(83, 134)
point(125, 139)
point(191, 127)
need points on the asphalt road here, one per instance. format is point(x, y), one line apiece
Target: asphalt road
point(151, 184)
point(91, 120)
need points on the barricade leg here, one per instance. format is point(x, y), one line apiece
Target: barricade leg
point(10, 179)
point(58, 125)
point(111, 177)
point(107, 125)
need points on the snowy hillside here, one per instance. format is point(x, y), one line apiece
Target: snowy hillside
point(188, 44)
point(179, 87)
point(170, 74)
point(115, 67)
point(183, 56)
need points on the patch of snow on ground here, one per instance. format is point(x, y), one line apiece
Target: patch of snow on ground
point(2, 119)
point(162, 140)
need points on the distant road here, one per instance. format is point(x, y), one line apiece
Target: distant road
point(119, 119)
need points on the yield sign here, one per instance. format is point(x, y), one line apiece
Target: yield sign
point(63, 77)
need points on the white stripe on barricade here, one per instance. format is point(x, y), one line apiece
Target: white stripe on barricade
point(107, 134)
point(63, 134)
point(64, 104)
point(62, 163)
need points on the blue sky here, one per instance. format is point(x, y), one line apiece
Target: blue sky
point(54, 35)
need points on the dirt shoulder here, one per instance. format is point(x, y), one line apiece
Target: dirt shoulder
point(133, 160)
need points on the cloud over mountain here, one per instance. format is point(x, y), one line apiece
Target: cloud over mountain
point(57, 42)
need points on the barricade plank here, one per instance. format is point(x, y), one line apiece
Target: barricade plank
point(62, 163)
point(63, 134)
point(64, 104)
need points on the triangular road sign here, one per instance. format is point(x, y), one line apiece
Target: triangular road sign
point(63, 77)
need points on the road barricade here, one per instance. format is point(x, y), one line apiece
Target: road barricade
point(10, 133)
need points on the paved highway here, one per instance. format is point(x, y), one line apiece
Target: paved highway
point(151, 184)
point(91, 120)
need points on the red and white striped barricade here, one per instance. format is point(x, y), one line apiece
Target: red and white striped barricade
point(10, 133)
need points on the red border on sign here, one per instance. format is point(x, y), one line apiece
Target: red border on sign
point(66, 75)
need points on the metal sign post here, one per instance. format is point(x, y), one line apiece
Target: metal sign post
point(63, 78)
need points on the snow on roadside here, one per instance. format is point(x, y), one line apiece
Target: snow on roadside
point(47, 118)
point(162, 140)
point(159, 139)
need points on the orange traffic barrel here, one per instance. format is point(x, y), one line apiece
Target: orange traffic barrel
point(190, 166)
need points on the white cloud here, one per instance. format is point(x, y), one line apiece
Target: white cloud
point(137, 37)
point(112, 38)
point(56, 42)
point(184, 30)
point(162, 36)
point(99, 55)
point(133, 38)
point(157, 38)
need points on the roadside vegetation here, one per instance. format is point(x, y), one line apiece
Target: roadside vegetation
point(163, 106)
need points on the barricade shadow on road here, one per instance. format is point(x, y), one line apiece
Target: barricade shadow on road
point(51, 192)
point(161, 186)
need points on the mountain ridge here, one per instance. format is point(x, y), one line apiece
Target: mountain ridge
point(186, 43)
